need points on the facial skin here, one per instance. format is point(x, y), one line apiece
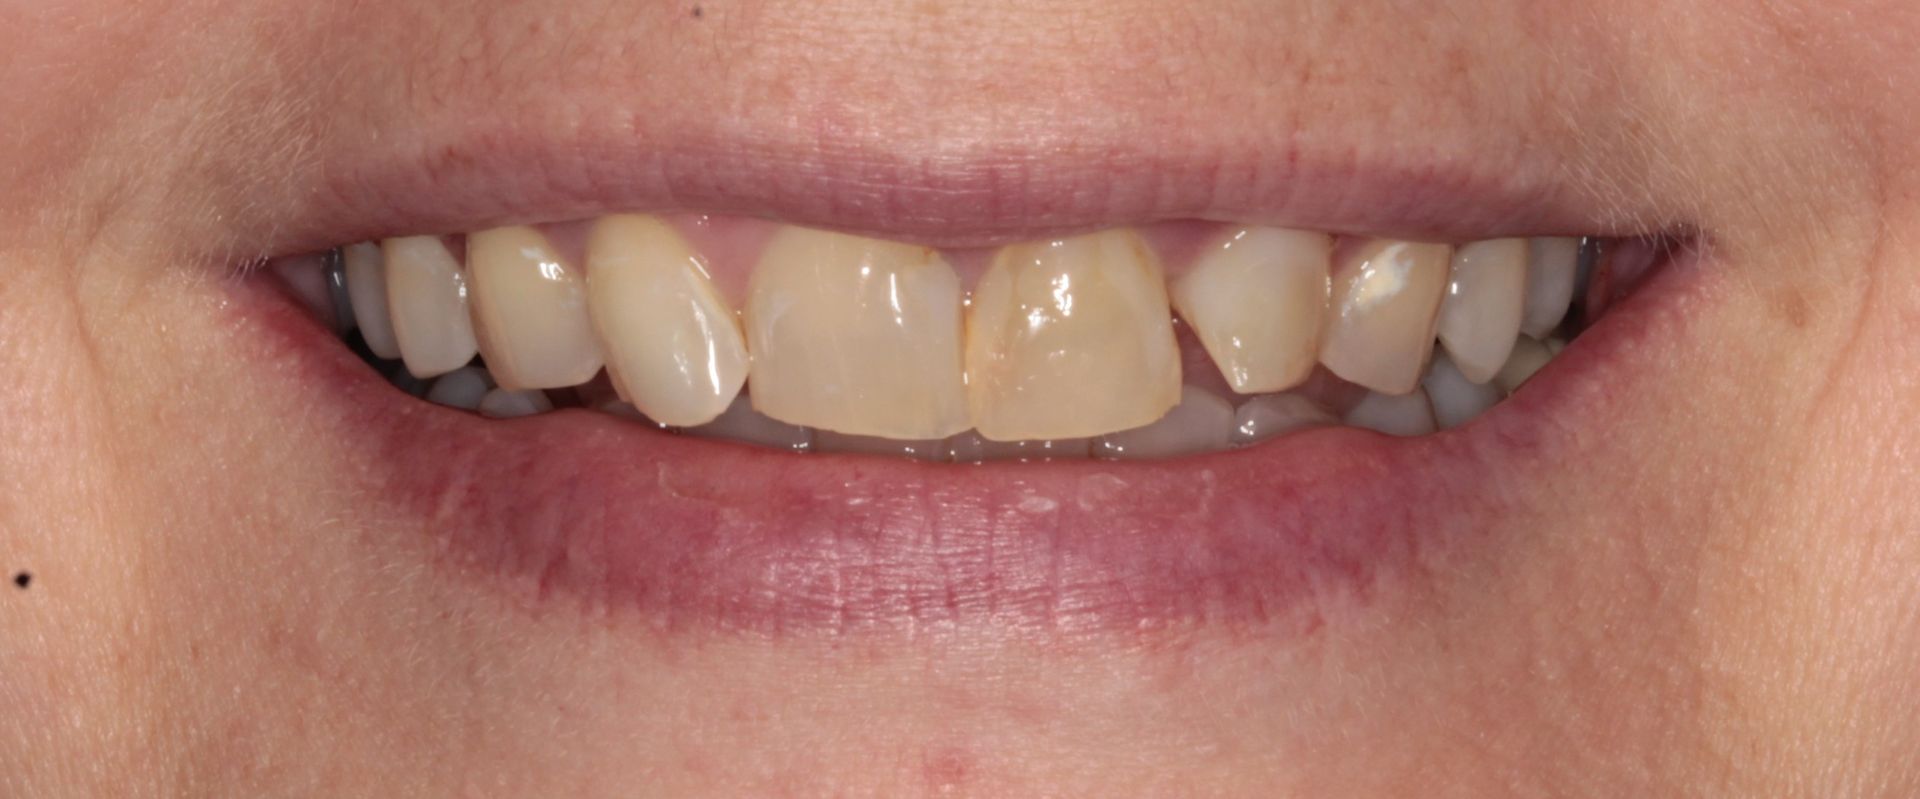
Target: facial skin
point(1715, 597)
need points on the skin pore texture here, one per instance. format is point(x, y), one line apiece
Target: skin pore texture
point(1713, 593)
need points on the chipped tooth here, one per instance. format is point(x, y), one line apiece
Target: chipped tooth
point(1480, 314)
point(428, 294)
point(829, 441)
point(971, 447)
point(1386, 297)
point(1456, 400)
point(1202, 422)
point(1269, 415)
point(1256, 302)
point(367, 288)
point(460, 388)
point(1404, 415)
point(530, 309)
point(670, 339)
point(1071, 339)
point(1529, 356)
point(745, 425)
point(856, 335)
point(502, 403)
point(1553, 264)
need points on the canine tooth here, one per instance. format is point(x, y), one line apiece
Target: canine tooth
point(1405, 415)
point(1256, 304)
point(1529, 356)
point(856, 335)
point(1071, 339)
point(1202, 422)
point(671, 340)
point(743, 424)
point(502, 403)
point(1386, 295)
point(1480, 315)
point(1456, 400)
point(829, 441)
point(1269, 415)
point(530, 309)
point(428, 295)
point(367, 288)
point(1552, 266)
point(460, 388)
point(971, 447)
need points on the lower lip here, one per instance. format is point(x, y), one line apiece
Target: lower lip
point(609, 516)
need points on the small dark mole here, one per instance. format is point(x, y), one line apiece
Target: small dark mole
point(698, 13)
point(22, 580)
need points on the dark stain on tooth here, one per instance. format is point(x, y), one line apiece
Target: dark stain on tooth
point(22, 580)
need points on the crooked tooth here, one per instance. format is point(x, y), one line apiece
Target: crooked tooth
point(1269, 415)
point(530, 309)
point(460, 388)
point(1405, 415)
point(671, 341)
point(1553, 264)
point(745, 425)
point(829, 441)
point(1456, 399)
point(367, 293)
point(1256, 303)
point(502, 403)
point(1529, 356)
point(1202, 422)
point(1386, 296)
point(1071, 339)
point(971, 447)
point(857, 336)
point(1480, 315)
point(428, 294)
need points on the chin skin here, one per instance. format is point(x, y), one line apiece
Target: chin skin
point(1716, 599)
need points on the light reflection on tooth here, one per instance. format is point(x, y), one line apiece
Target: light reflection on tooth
point(530, 309)
point(460, 388)
point(367, 288)
point(1202, 422)
point(1256, 302)
point(1269, 415)
point(1553, 264)
point(745, 425)
point(502, 403)
point(428, 294)
point(971, 447)
point(671, 341)
point(1455, 399)
point(1071, 339)
point(1480, 315)
point(828, 441)
point(1529, 356)
point(1404, 415)
point(1386, 296)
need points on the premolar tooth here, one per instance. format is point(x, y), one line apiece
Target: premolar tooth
point(1269, 415)
point(1405, 415)
point(530, 309)
point(1529, 356)
point(1553, 265)
point(743, 424)
point(670, 339)
point(502, 403)
point(1480, 315)
point(857, 335)
point(1071, 339)
point(971, 447)
point(428, 294)
point(829, 441)
point(1457, 400)
point(1256, 304)
point(367, 289)
point(460, 388)
point(1202, 422)
point(1386, 295)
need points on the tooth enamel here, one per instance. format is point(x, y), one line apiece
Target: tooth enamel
point(1480, 314)
point(1071, 339)
point(367, 289)
point(856, 335)
point(1403, 415)
point(1552, 265)
point(971, 447)
point(1202, 422)
point(1456, 400)
point(1269, 415)
point(530, 309)
point(829, 441)
point(669, 337)
point(1529, 356)
point(502, 403)
point(1256, 303)
point(428, 295)
point(743, 424)
point(460, 388)
point(1386, 296)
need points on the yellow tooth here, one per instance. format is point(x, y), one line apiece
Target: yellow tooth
point(530, 310)
point(428, 293)
point(1071, 339)
point(671, 341)
point(1386, 295)
point(1256, 303)
point(367, 292)
point(1480, 316)
point(856, 336)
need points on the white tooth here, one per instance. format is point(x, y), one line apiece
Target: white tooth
point(744, 424)
point(1070, 339)
point(1202, 422)
point(367, 293)
point(1256, 304)
point(1269, 415)
point(1552, 264)
point(1403, 415)
point(1480, 316)
point(428, 293)
point(502, 403)
point(829, 441)
point(1386, 297)
point(971, 447)
point(1554, 346)
point(1457, 400)
point(530, 309)
point(306, 277)
point(668, 334)
point(1528, 357)
point(857, 335)
point(460, 388)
